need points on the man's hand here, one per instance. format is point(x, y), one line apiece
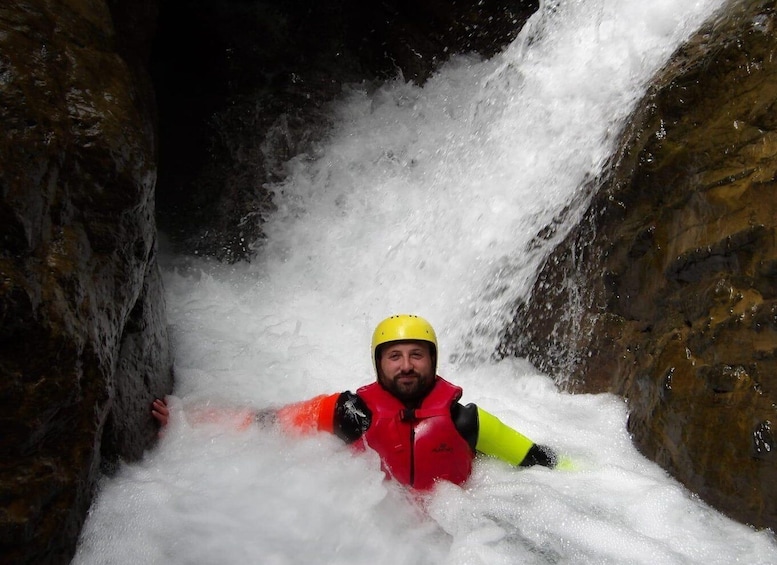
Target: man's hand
point(160, 412)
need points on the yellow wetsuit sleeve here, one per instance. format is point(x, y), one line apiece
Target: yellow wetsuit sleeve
point(500, 440)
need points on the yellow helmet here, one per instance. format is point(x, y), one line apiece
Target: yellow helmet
point(404, 327)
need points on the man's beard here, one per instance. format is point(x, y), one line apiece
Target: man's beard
point(407, 387)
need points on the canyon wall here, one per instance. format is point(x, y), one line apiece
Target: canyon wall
point(666, 291)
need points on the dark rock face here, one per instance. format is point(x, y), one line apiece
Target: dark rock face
point(243, 85)
point(666, 293)
point(83, 344)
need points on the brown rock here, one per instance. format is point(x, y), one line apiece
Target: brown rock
point(83, 344)
point(670, 281)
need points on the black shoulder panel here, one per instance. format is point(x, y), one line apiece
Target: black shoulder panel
point(352, 417)
point(465, 418)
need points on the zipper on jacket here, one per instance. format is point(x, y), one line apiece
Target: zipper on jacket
point(412, 455)
point(408, 415)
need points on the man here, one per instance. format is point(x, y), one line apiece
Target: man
point(410, 416)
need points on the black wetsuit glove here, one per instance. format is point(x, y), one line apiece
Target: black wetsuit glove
point(540, 455)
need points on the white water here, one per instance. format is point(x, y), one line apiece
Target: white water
point(424, 200)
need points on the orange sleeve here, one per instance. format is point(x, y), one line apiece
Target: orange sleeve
point(310, 415)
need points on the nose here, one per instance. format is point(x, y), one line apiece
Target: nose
point(406, 364)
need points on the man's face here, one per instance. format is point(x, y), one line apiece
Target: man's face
point(406, 369)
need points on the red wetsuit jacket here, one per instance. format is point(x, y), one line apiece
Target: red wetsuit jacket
point(417, 446)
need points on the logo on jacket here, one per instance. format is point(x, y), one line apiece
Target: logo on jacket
point(442, 448)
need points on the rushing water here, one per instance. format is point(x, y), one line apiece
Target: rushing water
point(423, 200)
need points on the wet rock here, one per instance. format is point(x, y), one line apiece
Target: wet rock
point(670, 277)
point(83, 344)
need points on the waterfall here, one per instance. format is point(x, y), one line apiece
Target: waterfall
point(424, 200)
